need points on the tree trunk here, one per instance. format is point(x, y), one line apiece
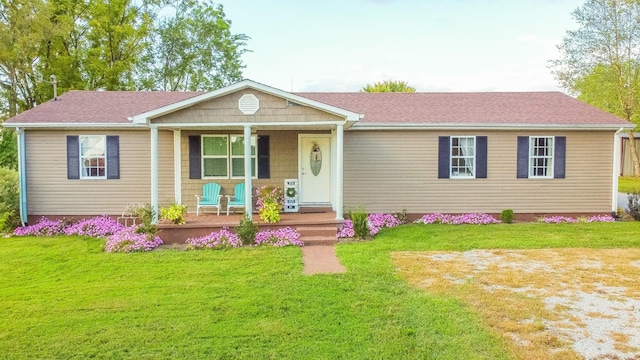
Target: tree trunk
point(634, 154)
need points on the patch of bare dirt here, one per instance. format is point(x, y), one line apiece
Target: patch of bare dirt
point(546, 304)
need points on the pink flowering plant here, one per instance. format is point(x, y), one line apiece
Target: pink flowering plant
point(280, 237)
point(44, 227)
point(347, 230)
point(375, 223)
point(269, 201)
point(569, 220)
point(100, 226)
point(216, 240)
point(127, 241)
point(472, 218)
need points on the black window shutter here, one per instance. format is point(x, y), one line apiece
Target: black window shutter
point(73, 157)
point(264, 169)
point(523, 157)
point(195, 165)
point(559, 157)
point(113, 157)
point(481, 157)
point(444, 152)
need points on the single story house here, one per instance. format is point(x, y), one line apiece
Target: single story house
point(95, 152)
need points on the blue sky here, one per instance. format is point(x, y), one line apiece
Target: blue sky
point(446, 45)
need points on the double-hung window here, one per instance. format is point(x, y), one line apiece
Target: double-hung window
point(463, 157)
point(93, 157)
point(215, 159)
point(541, 156)
point(223, 156)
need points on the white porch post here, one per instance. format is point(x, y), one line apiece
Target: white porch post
point(154, 171)
point(22, 175)
point(616, 171)
point(248, 204)
point(177, 166)
point(339, 171)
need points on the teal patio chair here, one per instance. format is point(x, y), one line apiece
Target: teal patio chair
point(210, 197)
point(238, 198)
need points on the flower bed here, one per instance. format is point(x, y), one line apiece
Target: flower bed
point(280, 237)
point(216, 240)
point(44, 227)
point(567, 220)
point(473, 218)
point(100, 226)
point(128, 241)
point(119, 237)
point(375, 223)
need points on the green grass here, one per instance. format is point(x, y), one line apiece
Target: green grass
point(63, 298)
point(629, 184)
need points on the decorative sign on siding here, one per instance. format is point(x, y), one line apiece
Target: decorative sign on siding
point(316, 159)
point(249, 104)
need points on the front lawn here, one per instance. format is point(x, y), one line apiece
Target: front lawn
point(63, 297)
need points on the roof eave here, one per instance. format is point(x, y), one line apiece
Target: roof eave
point(65, 125)
point(488, 126)
point(144, 118)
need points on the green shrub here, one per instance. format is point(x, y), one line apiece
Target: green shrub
point(9, 200)
point(506, 216)
point(360, 224)
point(174, 213)
point(402, 216)
point(146, 214)
point(247, 231)
point(269, 203)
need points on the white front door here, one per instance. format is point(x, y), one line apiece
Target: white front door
point(314, 160)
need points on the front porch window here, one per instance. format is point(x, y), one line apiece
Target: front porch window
point(215, 159)
point(223, 155)
point(237, 156)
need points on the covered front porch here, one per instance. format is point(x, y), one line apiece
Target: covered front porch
point(248, 133)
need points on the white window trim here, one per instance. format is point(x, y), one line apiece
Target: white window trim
point(81, 158)
point(228, 157)
point(551, 157)
point(451, 157)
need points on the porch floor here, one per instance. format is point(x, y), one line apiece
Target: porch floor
point(315, 228)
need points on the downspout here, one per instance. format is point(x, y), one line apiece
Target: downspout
point(616, 172)
point(22, 175)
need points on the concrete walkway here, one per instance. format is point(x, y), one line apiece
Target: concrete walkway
point(320, 260)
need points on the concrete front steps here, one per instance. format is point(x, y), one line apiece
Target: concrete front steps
point(318, 234)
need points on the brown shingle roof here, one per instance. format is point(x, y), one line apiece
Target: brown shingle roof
point(521, 108)
point(78, 106)
point(540, 108)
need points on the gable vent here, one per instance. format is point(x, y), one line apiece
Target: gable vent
point(249, 104)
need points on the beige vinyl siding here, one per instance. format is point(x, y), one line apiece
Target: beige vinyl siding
point(393, 170)
point(49, 191)
point(283, 160)
point(225, 110)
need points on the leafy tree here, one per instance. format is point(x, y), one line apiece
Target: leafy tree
point(8, 149)
point(24, 27)
point(600, 62)
point(389, 86)
point(195, 50)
